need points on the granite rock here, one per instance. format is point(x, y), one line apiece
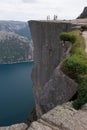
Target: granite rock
point(67, 118)
point(49, 82)
point(59, 89)
point(21, 126)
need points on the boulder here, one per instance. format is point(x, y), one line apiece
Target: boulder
point(62, 117)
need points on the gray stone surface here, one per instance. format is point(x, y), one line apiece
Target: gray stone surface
point(67, 118)
point(84, 107)
point(21, 126)
point(49, 86)
point(62, 117)
point(58, 89)
point(39, 126)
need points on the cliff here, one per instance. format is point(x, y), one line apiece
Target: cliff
point(83, 14)
point(62, 117)
point(51, 86)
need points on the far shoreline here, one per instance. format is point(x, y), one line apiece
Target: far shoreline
point(18, 62)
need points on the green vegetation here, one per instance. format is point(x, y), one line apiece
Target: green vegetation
point(67, 37)
point(84, 27)
point(13, 48)
point(76, 65)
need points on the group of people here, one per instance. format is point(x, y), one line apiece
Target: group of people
point(54, 18)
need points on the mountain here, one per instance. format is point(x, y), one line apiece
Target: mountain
point(18, 27)
point(83, 14)
point(15, 42)
point(14, 48)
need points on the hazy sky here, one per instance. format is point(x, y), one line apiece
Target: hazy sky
point(24, 10)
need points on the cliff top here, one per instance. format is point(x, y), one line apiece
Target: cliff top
point(74, 21)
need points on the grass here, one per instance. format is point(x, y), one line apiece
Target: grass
point(67, 37)
point(76, 65)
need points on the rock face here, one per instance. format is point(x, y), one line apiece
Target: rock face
point(62, 117)
point(58, 89)
point(15, 42)
point(51, 86)
point(21, 126)
point(83, 14)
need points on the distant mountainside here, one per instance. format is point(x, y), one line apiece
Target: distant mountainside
point(15, 42)
point(18, 27)
point(14, 48)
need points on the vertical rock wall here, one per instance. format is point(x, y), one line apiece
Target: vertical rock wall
point(48, 53)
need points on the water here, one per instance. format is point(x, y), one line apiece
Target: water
point(16, 96)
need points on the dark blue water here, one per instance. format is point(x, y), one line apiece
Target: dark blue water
point(16, 96)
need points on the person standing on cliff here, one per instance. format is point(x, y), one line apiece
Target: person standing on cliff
point(55, 17)
point(48, 17)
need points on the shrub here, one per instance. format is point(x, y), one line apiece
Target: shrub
point(82, 96)
point(76, 65)
point(82, 78)
point(67, 37)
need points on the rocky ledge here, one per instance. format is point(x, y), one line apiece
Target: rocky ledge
point(49, 53)
point(62, 117)
point(83, 14)
point(21, 126)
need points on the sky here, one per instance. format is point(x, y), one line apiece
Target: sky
point(25, 10)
